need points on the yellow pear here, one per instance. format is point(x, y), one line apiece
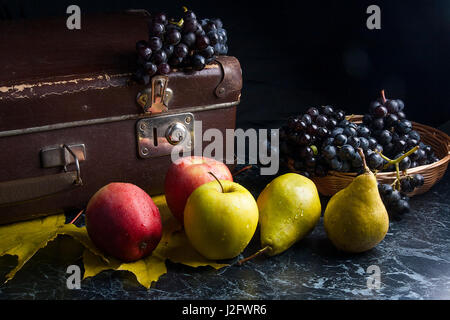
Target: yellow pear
point(355, 218)
point(289, 208)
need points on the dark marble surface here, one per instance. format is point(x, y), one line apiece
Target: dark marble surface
point(414, 260)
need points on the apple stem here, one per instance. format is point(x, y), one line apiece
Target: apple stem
point(217, 180)
point(257, 253)
point(76, 217)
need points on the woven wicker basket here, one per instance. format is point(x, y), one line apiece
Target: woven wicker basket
point(439, 142)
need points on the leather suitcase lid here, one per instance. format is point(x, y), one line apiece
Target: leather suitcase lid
point(41, 49)
point(51, 75)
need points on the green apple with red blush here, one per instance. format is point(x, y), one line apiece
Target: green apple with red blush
point(187, 174)
point(220, 219)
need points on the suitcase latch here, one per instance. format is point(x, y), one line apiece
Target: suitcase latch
point(159, 136)
point(155, 99)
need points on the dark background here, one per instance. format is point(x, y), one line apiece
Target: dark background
point(296, 54)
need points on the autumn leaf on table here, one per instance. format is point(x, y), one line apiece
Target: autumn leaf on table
point(146, 270)
point(81, 235)
point(24, 239)
point(174, 246)
point(179, 250)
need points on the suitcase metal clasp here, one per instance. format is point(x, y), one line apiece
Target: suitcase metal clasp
point(161, 135)
point(155, 99)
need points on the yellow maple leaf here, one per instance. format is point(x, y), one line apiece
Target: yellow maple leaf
point(93, 265)
point(146, 270)
point(81, 235)
point(174, 246)
point(24, 239)
point(179, 250)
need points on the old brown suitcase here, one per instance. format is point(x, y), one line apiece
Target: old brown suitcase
point(71, 121)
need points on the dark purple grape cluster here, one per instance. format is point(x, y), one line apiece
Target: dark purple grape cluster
point(185, 44)
point(341, 148)
point(333, 139)
point(396, 201)
point(395, 135)
point(302, 138)
point(322, 139)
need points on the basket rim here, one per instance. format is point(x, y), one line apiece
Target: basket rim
point(439, 163)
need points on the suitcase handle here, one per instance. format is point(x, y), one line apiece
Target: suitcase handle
point(28, 189)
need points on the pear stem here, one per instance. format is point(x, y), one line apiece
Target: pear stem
point(361, 154)
point(217, 180)
point(257, 253)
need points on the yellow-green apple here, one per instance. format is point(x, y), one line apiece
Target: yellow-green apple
point(220, 219)
point(123, 221)
point(185, 175)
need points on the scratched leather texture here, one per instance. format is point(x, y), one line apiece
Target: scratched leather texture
point(57, 76)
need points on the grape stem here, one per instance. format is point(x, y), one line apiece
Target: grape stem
point(397, 180)
point(383, 96)
point(396, 162)
point(399, 159)
point(178, 23)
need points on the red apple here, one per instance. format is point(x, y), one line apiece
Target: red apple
point(123, 221)
point(187, 174)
